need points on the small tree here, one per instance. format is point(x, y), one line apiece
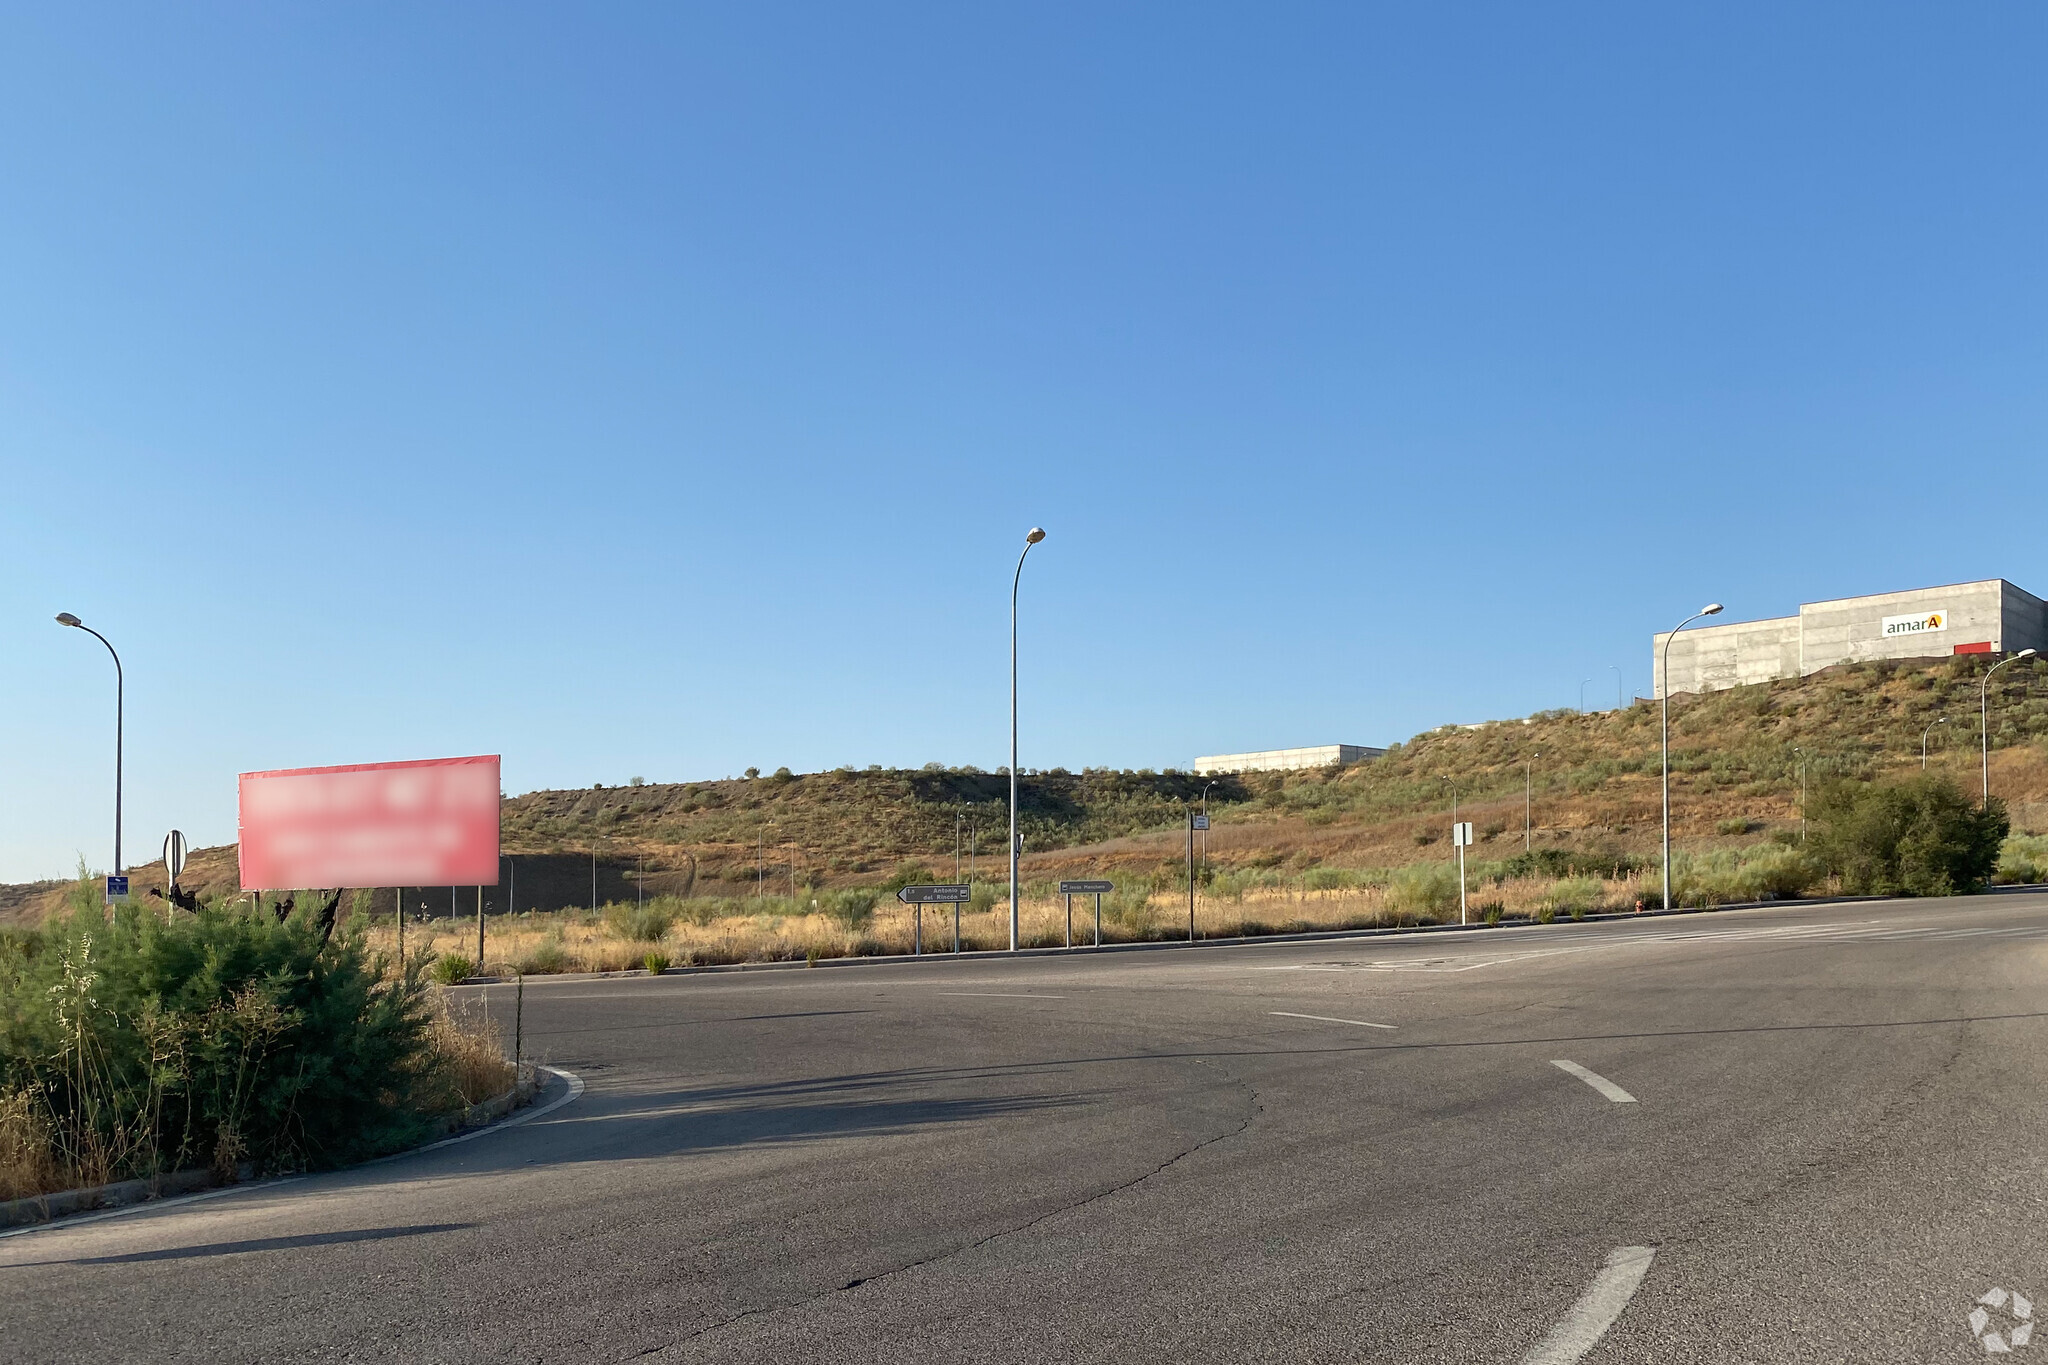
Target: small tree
point(1918, 837)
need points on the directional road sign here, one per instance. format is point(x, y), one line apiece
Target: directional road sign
point(1201, 822)
point(1086, 888)
point(955, 894)
point(1461, 834)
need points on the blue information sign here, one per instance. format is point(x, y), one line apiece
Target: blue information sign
point(117, 889)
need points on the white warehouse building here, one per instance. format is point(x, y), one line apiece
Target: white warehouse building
point(1278, 760)
point(1989, 617)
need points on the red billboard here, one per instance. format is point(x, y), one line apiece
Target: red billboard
point(433, 822)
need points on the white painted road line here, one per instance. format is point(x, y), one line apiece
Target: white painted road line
point(1326, 1019)
point(1596, 1309)
point(1597, 1081)
point(1001, 995)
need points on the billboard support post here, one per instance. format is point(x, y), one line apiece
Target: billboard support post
point(479, 931)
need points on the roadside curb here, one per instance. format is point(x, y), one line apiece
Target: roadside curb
point(177, 1187)
point(1166, 945)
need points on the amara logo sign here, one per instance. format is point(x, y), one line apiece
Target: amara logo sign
point(1915, 625)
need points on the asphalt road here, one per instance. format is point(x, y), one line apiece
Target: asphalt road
point(1807, 1134)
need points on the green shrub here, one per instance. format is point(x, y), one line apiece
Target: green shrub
point(648, 923)
point(655, 963)
point(2024, 858)
point(1331, 879)
point(1129, 908)
point(851, 908)
point(1739, 825)
point(144, 1045)
point(984, 896)
point(1425, 891)
point(1917, 837)
point(1573, 896)
point(450, 968)
point(1758, 872)
point(548, 958)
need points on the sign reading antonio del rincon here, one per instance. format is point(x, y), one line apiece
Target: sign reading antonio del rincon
point(1915, 625)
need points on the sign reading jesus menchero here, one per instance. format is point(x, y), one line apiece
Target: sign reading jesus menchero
point(1915, 625)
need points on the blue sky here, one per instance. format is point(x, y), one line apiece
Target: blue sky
point(662, 390)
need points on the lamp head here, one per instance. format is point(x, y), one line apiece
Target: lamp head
point(2024, 654)
point(1711, 609)
point(1034, 535)
point(65, 618)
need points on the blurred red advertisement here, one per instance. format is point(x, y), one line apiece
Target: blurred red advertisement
point(433, 822)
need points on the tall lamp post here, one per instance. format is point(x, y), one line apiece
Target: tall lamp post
point(1528, 797)
point(1617, 685)
point(1205, 827)
point(1984, 715)
point(65, 618)
point(1031, 538)
point(1582, 694)
point(1802, 792)
point(1664, 691)
point(1923, 740)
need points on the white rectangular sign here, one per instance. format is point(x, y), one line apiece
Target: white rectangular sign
point(1461, 834)
point(1915, 625)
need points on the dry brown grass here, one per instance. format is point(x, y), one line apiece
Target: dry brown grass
point(588, 945)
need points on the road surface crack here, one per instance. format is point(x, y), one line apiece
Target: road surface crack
point(1253, 1108)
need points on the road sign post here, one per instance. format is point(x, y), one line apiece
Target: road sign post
point(174, 856)
point(1461, 836)
point(918, 897)
point(1085, 888)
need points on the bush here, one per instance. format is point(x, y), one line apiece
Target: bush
point(655, 963)
point(852, 908)
point(131, 1046)
point(450, 968)
point(2024, 858)
point(1573, 896)
point(547, 959)
point(1917, 837)
point(1424, 890)
point(1759, 872)
point(1739, 825)
point(1129, 908)
point(637, 923)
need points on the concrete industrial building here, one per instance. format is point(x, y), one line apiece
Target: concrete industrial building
point(1988, 617)
point(1276, 760)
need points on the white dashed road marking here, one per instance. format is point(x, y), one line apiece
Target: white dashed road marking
point(1326, 1019)
point(1597, 1081)
point(1002, 995)
point(1596, 1309)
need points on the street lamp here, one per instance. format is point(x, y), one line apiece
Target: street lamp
point(1617, 685)
point(1031, 538)
point(1528, 788)
point(1923, 740)
point(65, 618)
point(1582, 695)
point(1664, 690)
point(1984, 715)
point(1205, 827)
point(1802, 792)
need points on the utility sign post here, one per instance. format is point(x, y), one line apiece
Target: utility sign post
point(174, 856)
point(1095, 889)
point(918, 897)
point(1461, 837)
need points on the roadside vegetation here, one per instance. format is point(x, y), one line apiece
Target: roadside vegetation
point(137, 1043)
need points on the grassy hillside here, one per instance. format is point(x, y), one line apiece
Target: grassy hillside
point(1592, 778)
